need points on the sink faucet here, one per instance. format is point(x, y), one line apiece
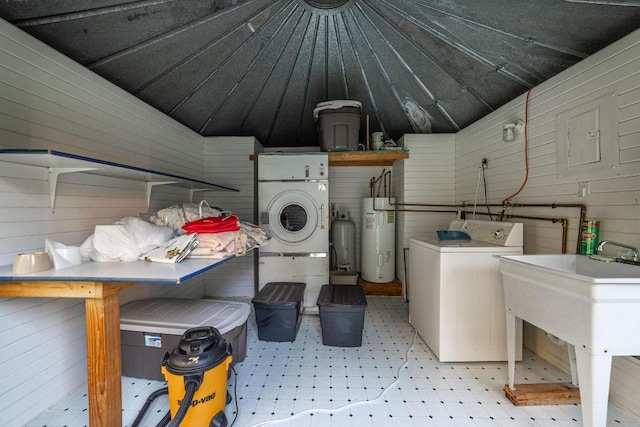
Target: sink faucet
point(633, 250)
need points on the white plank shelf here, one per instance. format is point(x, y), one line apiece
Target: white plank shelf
point(58, 162)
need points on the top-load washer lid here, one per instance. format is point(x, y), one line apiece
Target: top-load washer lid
point(486, 236)
point(466, 246)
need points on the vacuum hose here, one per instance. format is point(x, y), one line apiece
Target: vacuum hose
point(153, 396)
point(191, 385)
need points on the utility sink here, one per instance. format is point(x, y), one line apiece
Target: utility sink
point(583, 268)
point(593, 305)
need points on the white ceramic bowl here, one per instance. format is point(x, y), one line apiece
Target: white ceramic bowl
point(31, 262)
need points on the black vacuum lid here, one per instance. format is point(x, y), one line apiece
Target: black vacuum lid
point(199, 349)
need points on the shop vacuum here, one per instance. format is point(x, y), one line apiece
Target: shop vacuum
point(196, 371)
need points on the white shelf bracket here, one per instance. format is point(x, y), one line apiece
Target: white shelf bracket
point(53, 180)
point(193, 190)
point(151, 184)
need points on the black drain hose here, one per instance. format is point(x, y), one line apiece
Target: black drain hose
point(191, 385)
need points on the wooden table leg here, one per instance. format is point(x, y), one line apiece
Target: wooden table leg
point(103, 359)
point(102, 308)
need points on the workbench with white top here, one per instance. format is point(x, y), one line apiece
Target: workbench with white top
point(99, 285)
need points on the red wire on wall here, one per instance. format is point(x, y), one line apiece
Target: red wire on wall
point(526, 148)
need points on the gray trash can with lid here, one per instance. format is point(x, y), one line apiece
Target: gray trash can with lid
point(342, 310)
point(278, 308)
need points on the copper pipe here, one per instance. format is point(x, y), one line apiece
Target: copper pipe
point(418, 210)
point(433, 204)
point(564, 221)
point(582, 207)
point(387, 187)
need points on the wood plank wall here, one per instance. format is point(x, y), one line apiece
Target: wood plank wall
point(227, 162)
point(427, 177)
point(614, 200)
point(49, 101)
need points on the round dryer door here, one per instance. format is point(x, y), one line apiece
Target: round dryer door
point(293, 217)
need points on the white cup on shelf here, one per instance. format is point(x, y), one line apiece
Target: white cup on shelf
point(376, 138)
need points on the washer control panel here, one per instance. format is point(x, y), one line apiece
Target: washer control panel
point(494, 232)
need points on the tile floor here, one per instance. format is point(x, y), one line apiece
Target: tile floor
point(392, 380)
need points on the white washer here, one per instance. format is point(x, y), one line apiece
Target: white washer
point(293, 206)
point(456, 299)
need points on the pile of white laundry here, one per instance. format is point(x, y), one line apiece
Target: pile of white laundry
point(131, 239)
point(228, 243)
point(211, 245)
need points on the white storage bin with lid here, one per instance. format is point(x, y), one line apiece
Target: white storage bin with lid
point(151, 327)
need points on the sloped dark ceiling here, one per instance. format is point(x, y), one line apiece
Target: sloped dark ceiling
point(259, 67)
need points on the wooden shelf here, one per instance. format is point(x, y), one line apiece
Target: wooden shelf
point(362, 158)
point(367, 158)
point(390, 289)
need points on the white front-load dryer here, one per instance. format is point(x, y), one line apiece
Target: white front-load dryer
point(295, 215)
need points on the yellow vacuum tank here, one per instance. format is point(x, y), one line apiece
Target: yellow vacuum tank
point(196, 371)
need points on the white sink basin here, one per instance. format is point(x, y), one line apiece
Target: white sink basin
point(582, 268)
point(593, 305)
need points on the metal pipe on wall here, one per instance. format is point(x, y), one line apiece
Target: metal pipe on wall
point(582, 207)
point(565, 222)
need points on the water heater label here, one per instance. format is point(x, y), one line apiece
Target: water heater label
point(390, 217)
point(152, 340)
point(369, 221)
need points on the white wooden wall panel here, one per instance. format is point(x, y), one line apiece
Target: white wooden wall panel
point(226, 161)
point(64, 368)
point(426, 177)
point(48, 101)
point(51, 97)
point(613, 200)
point(626, 371)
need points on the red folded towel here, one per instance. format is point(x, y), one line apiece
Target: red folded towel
point(213, 224)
